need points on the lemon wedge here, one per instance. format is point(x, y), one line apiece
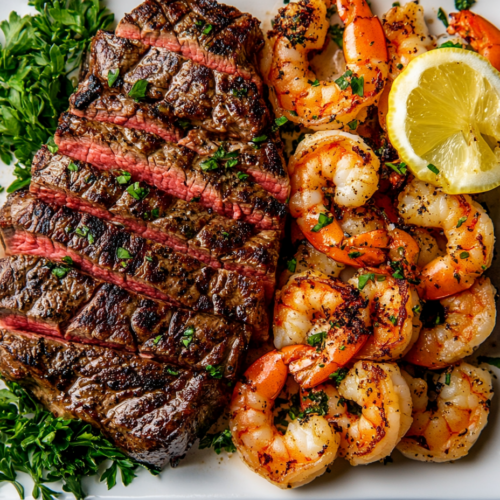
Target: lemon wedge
point(444, 120)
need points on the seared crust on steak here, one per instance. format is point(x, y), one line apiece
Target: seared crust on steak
point(34, 297)
point(153, 411)
point(180, 92)
point(30, 226)
point(179, 170)
point(215, 35)
point(185, 226)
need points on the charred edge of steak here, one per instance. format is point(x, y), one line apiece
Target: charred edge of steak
point(102, 249)
point(45, 297)
point(185, 226)
point(151, 410)
point(179, 92)
point(215, 35)
point(174, 169)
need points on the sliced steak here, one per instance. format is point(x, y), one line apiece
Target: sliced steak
point(32, 227)
point(180, 93)
point(181, 171)
point(212, 34)
point(151, 410)
point(185, 226)
point(49, 298)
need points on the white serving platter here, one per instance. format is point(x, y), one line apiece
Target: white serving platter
point(204, 475)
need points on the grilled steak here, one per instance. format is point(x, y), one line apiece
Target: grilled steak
point(215, 35)
point(185, 226)
point(181, 171)
point(152, 410)
point(41, 296)
point(180, 92)
point(32, 227)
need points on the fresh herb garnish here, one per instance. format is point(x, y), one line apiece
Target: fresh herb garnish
point(137, 192)
point(113, 75)
point(490, 361)
point(124, 178)
point(323, 221)
point(218, 441)
point(464, 255)
point(354, 255)
point(342, 81)
point(171, 372)
point(50, 448)
point(207, 29)
point(461, 221)
point(214, 162)
point(82, 231)
point(123, 253)
point(291, 265)
point(399, 168)
point(447, 379)
point(441, 15)
point(215, 371)
point(187, 336)
point(364, 279)
point(138, 90)
point(358, 85)
point(433, 168)
point(450, 44)
point(68, 260)
point(352, 125)
point(157, 339)
point(60, 271)
point(316, 339)
point(336, 33)
point(313, 84)
point(464, 4)
point(339, 375)
point(72, 167)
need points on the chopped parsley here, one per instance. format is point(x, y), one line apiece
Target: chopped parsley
point(393, 319)
point(400, 168)
point(317, 339)
point(464, 255)
point(113, 75)
point(447, 379)
point(72, 167)
point(207, 29)
point(52, 146)
point(441, 15)
point(218, 441)
point(323, 221)
point(417, 309)
point(464, 4)
point(461, 221)
point(60, 271)
point(239, 92)
point(123, 253)
point(339, 375)
point(157, 339)
point(171, 372)
point(214, 162)
point(313, 84)
point(291, 265)
point(358, 85)
point(215, 371)
point(450, 44)
point(336, 33)
point(352, 125)
point(138, 90)
point(354, 255)
point(433, 168)
point(82, 231)
point(490, 361)
point(242, 176)
point(137, 192)
point(68, 260)
point(124, 178)
point(280, 121)
point(187, 336)
point(342, 81)
point(364, 279)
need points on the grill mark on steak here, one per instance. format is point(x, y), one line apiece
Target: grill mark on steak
point(179, 90)
point(173, 167)
point(33, 227)
point(153, 415)
point(212, 34)
point(184, 226)
point(80, 308)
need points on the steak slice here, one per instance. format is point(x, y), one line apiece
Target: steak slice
point(32, 227)
point(212, 34)
point(181, 171)
point(151, 410)
point(185, 226)
point(180, 93)
point(48, 298)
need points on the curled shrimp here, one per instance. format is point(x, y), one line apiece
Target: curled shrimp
point(287, 460)
point(469, 233)
point(371, 409)
point(328, 315)
point(301, 28)
point(469, 319)
point(391, 306)
point(483, 36)
point(407, 37)
point(339, 164)
point(449, 413)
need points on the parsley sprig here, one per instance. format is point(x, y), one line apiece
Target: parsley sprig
point(36, 61)
point(50, 449)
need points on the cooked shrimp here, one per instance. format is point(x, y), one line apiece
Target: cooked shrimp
point(371, 408)
point(308, 258)
point(391, 315)
point(483, 36)
point(429, 247)
point(468, 229)
point(299, 30)
point(339, 164)
point(407, 37)
point(449, 415)
point(287, 460)
point(327, 314)
point(469, 319)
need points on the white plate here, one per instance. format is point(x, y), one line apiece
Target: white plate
point(205, 475)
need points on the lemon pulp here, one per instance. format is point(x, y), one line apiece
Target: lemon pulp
point(444, 111)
